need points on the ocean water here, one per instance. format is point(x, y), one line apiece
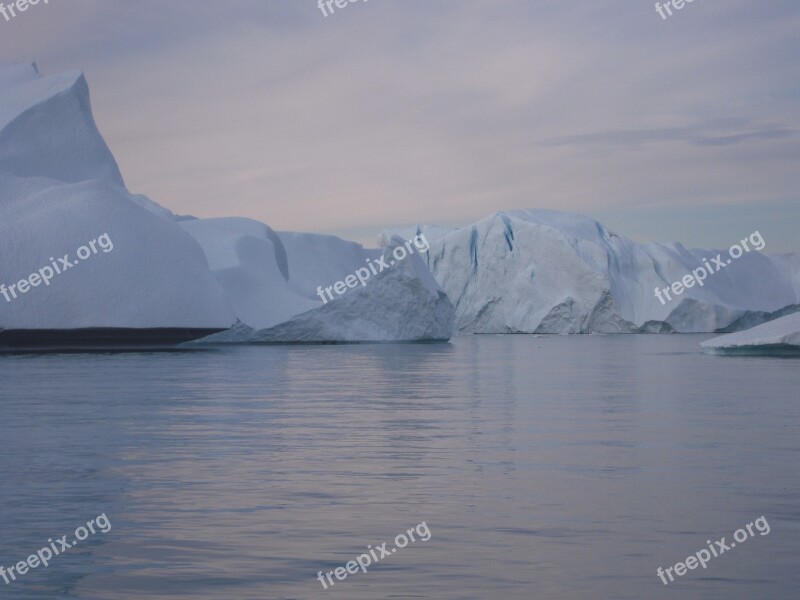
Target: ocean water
point(543, 467)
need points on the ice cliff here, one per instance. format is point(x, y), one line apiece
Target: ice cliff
point(542, 271)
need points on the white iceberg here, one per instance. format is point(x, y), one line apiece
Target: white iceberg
point(60, 188)
point(543, 271)
point(780, 337)
point(525, 271)
point(164, 278)
point(273, 278)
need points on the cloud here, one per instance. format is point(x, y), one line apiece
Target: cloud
point(701, 135)
point(413, 111)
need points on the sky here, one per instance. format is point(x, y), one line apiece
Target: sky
point(404, 112)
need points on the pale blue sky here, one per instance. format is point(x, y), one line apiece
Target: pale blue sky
point(395, 112)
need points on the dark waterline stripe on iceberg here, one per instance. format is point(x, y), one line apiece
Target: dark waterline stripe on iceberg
point(784, 350)
point(101, 338)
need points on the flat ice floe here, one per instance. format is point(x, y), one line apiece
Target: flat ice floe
point(780, 337)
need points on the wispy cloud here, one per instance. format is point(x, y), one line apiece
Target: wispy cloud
point(701, 135)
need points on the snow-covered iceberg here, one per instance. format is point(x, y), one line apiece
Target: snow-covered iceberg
point(273, 280)
point(61, 191)
point(159, 278)
point(780, 337)
point(543, 271)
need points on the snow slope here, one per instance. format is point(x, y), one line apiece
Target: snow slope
point(272, 281)
point(60, 188)
point(780, 337)
point(542, 271)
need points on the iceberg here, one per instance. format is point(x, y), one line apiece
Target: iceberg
point(60, 188)
point(272, 280)
point(165, 279)
point(171, 278)
point(544, 271)
point(780, 337)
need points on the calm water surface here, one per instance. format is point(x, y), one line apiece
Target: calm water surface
point(545, 467)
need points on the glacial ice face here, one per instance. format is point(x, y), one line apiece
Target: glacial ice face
point(780, 337)
point(542, 271)
point(60, 188)
point(272, 279)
